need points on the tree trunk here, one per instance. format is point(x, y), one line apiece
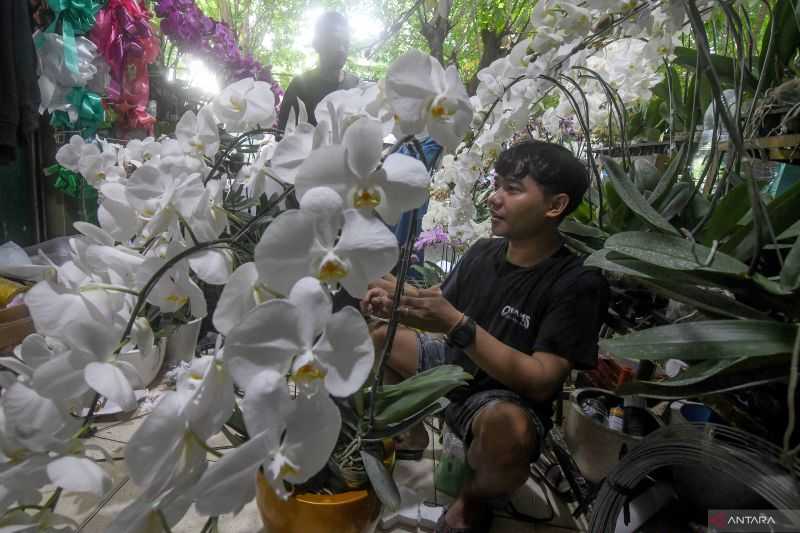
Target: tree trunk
point(491, 42)
point(435, 31)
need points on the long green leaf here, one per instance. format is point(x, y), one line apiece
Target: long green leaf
point(679, 198)
point(668, 177)
point(672, 252)
point(634, 199)
point(790, 274)
point(408, 423)
point(706, 300)
point(725, 66)
point(742, 375)
point(381, 480)
point(574, 227)
point(782, 213)
point(791, 231)
point(708, 339)
point(727, 215)
point(698, 372)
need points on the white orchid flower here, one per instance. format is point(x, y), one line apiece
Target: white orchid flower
point(245, 104)
point(168, 451)
point(29, 422)
point(96, 166)
point(291, 439)
point(139, 151)
point(424, 95)
point(258, 178)
point(161, 199)
point(354, 170)
point(294, 148)
point(175, 288)
point(115, 214)
point(300, 243)
point(342, 108)
point(243, 291)
point(300, 337)
point(198, 134)
point(70, 155)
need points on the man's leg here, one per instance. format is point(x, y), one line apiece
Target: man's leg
point(404, 358)
point(503, 437)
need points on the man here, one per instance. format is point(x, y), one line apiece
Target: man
point(519, 312)
point(332, 43)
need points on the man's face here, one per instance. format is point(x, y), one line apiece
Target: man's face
point(520, 208)
point(333, 45)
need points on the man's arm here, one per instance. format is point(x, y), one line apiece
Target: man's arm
point(537, 377)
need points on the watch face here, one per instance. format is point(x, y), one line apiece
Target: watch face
point(463, 334)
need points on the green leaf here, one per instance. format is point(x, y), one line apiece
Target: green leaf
point(668, 177)
point(727, 215)
point(750, 372)
point(633, 198)
point(381, 480)
point(790, 274)
point(725, 66)
point(582, 230)
point(672, 252)
point(679, 198)
point(710, 339)
point(782, 213)
point(404, 425)
point(706, 300)
point(395, 403)
point(791, 231)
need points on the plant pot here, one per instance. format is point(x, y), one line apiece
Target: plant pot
point(595, 447)
point(182, 343)
point(148, 367)
point(356, 511)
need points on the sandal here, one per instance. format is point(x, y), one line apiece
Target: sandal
point(482, 526)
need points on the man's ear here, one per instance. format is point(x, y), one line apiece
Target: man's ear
point(557, 204)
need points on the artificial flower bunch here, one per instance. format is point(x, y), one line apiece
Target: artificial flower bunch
point(284, 359)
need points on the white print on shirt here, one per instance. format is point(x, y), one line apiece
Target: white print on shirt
point(515, 316)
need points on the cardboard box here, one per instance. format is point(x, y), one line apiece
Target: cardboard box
point(15, 324)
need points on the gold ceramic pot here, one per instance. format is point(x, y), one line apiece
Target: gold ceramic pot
point(355, 511)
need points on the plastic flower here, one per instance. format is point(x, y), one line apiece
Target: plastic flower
point(354, 170)
point(424, 95)
point(291, 438)
point(302, 338)
point(198, 134)
point(304, 242)
point(246, 104)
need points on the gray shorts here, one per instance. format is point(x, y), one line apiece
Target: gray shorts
point(432, 352)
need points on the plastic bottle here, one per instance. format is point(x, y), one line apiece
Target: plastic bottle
point(635, 416)
point(453, 469)
point(615, 416)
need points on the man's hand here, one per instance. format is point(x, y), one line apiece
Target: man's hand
point(429, 311)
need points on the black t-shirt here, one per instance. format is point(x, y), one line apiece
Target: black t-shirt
point(311, 88)
point(556, 306)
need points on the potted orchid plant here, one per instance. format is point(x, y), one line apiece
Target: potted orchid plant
point(295, 386)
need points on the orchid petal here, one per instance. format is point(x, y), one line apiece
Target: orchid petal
point(228, 484)
point(109, 381)
point(369, 246)
point(266, 339)
point(61, 378)
point(79, 474)
point(349, 363)
point(363, 141)
point(314, 304)
point(282, 254)
point(266, 406)
point(315, 425)
point(238, 297)
point(326, 166)
point(405, 186)
point(212, 266)
point(292, 151)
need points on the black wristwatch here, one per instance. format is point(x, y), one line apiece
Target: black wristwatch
point(463, 335)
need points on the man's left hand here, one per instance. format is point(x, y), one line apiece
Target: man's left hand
point(429, 311)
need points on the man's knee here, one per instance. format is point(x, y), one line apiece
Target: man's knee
point(505, 432)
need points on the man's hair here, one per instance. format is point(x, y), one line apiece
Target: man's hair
point(328, 20)
point(550, 165)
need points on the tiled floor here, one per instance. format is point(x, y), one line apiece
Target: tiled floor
point(414, 478)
